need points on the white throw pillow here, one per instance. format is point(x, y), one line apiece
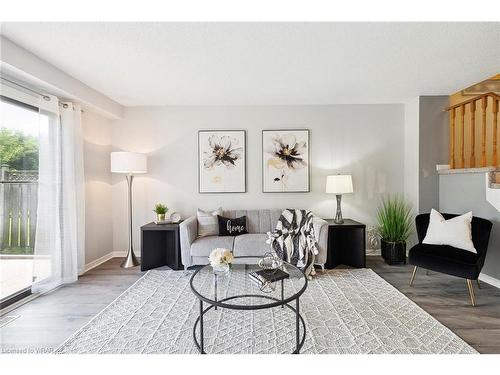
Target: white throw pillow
point(208, 224)
point(454, 232)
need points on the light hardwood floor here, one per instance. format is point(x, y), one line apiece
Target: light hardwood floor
point(47, 321)
point(446, 298)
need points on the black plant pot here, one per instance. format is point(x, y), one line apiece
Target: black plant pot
point(393, 252)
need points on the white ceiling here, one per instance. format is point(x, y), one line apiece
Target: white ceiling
point(266, 63)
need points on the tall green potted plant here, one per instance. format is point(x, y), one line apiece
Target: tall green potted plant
point(395, 222)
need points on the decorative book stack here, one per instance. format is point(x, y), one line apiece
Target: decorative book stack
point(264, 276)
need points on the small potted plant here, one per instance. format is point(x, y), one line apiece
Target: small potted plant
point(395, 221)
point(220, 259)
point(160, 210)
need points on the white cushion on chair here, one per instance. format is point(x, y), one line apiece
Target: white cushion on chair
point(454, 232)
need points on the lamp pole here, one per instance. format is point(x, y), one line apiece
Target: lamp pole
point(130, 260)
point(129, 163)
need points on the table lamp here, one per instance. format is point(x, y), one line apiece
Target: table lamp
point(129, 163)
point(339, 184)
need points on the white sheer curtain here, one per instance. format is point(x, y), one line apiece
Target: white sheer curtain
point(60, 234)
point(73, 191)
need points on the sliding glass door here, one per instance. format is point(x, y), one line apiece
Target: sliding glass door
point(19, 134)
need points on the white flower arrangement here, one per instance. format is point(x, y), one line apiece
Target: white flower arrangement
point(220, 256)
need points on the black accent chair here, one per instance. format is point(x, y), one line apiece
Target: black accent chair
point(451, 260)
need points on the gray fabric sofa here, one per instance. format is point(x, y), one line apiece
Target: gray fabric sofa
point(195, 250)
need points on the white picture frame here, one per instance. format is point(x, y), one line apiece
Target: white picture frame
point(286, 161)
point(221, 161)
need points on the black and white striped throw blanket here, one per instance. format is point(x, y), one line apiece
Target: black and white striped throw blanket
point(294, 240)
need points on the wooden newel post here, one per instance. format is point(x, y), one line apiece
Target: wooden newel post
point(452, 138)
point(472, 134)
point(462, 136)
point(495, 132)
point(484, 103)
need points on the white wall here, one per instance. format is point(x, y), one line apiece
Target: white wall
point(364, 140)
point(433, 144)
point(98, 203)
point(411, 145)
point(463, 192)
point(411, 158)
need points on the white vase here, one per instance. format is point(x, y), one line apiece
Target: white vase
point(221, 269)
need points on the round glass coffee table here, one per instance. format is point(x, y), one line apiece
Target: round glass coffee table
point(235, 290)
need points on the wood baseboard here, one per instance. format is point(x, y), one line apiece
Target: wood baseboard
point(98, 261)
point(105, 258)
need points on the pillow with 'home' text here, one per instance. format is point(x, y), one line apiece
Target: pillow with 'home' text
point(232, 227)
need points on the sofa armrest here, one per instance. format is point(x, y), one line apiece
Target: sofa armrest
point(188, 231)
point(321, 233)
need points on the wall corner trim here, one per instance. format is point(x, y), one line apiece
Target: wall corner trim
point(15, 58)
point(105, 258)
point(489, 280)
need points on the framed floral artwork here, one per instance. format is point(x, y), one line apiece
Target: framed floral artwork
point(221, 161)
point(285, 161)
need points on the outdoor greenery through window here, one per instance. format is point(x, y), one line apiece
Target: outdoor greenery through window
point(19, 130)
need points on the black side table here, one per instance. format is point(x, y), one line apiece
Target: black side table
point(160, 246)
point(346, 244)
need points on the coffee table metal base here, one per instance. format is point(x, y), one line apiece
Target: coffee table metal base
point(298, 320)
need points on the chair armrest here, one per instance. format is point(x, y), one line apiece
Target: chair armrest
point(188, 231)
point(321, 234)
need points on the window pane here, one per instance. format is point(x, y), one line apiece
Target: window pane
point(19, 127)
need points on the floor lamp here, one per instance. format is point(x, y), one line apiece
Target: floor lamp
point(129, 163)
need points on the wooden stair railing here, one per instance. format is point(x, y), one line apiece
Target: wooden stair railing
point(457, 115)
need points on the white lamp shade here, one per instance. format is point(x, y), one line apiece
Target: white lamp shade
point(339, 184)
point(128, 162)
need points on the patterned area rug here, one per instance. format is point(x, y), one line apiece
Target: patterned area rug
point(345, 311)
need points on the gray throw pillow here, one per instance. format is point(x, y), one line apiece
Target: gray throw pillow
point(208, 224)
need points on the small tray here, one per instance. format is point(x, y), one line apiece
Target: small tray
point(163, 222)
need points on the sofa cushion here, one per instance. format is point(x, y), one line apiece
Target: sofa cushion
point(203, 246)
point(258, 221)
point(232, 227)
point(253, 244)
point(208, 225)
point(446, 259)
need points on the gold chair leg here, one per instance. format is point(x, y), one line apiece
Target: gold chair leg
point(471, 292)
point(478, 284)
point(413, 275)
